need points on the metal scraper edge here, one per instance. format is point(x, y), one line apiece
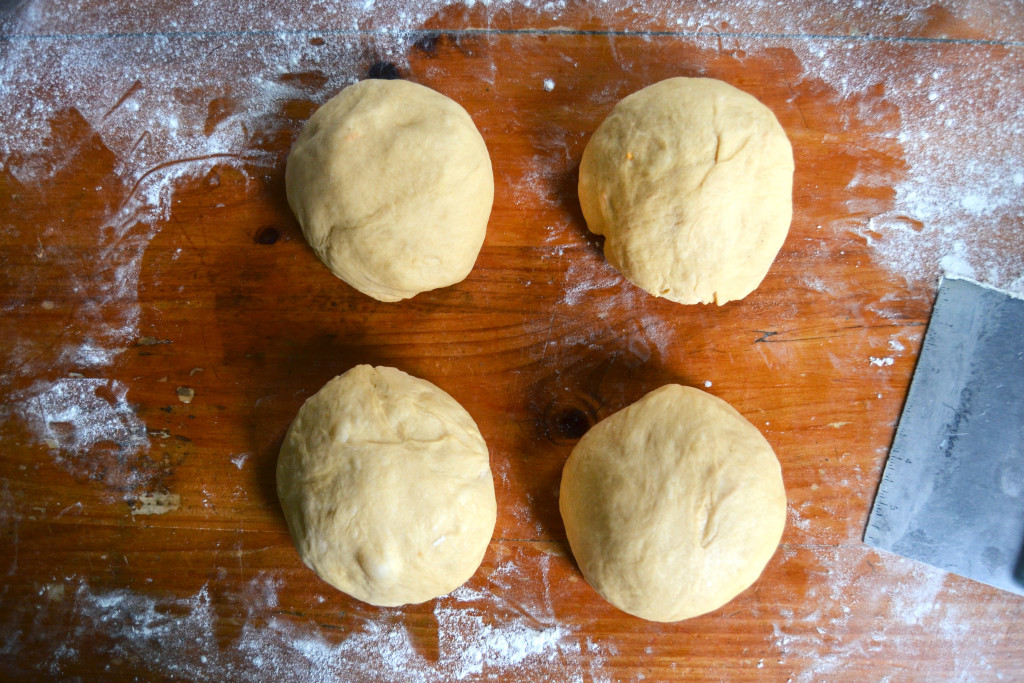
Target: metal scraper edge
point(952, 494)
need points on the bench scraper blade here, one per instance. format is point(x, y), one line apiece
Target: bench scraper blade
point(952, 494)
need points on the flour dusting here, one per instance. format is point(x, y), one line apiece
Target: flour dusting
point(479, 635)
point(963, 141)
point(597, 293)
point(878, 18)
point(846, 604)
point(91, 429)
point(130, 124)
point(75, 414)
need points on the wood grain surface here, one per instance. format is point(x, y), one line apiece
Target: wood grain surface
point(163, 320)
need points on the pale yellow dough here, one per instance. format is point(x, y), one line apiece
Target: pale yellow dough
point(674, 505)
point(386, 485)
point(690, 180)
point(392, 185)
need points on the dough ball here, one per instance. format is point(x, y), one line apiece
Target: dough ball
point(392, 185)
point(674, 505)
point(690, 181)
point(386, 485)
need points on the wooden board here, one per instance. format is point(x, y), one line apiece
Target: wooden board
point(164, 319)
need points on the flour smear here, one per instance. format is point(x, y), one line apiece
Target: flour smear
point(479, 635)
point(125, 111)
point(848, 616)
point(962, 135)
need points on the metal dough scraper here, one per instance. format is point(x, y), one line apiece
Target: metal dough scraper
point(952, 495)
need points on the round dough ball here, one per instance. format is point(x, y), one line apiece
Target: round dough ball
point(674, 505)
point(690, 181)
point(392, 185)
point(386, 485)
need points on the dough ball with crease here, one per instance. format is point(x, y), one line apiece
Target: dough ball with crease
point(386, 486)
point(673, 505)
point(690, 180)
point(392, 185)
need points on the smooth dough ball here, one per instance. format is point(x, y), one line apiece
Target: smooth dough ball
point(386, 485)
point(392, 185)
point(674, 505)
point(690, 181)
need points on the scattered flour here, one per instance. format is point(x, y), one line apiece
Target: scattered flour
point(753, 18)
point(91, 430)
point(475, 643)
point(75, 414)
point(480, 635)
point(795, 519)
point(847, 615)
point(600, 295)
point(130, 112)
point(881, 362)
point(963, 143)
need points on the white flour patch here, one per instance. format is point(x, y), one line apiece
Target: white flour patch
point(795, 519)
point(240, 459)
point(480, 643)
point(91, 429)
point(533, 185)
point(963, 143)
point(540, 181)
point(916, 608)
point(156, 504)
point(479, 635)
point(587, 281)
point(73, 415)
point(881, 362)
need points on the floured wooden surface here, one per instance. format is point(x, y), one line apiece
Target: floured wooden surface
point(163, 320)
